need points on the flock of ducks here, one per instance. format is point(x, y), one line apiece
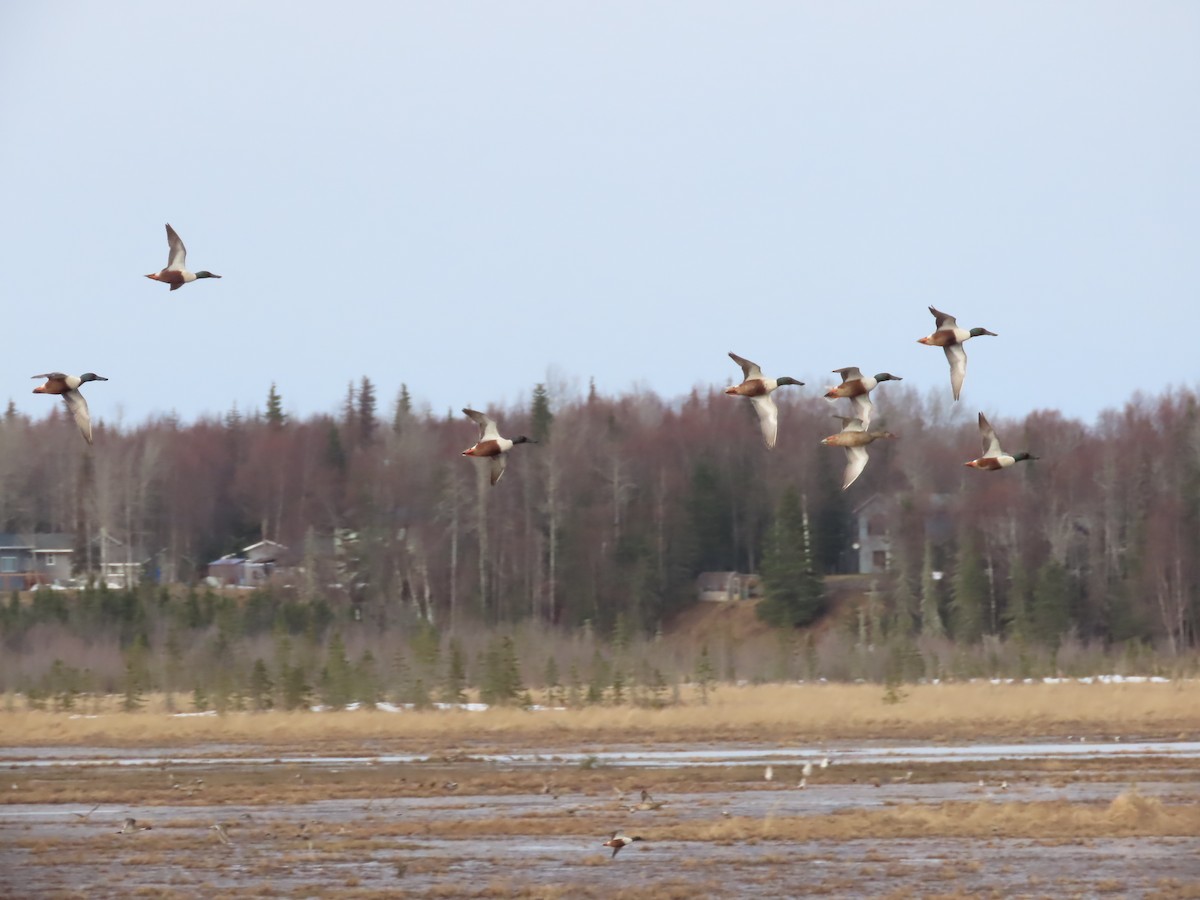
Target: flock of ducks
point(855, 434)
point(176, 274)
point(854, 437)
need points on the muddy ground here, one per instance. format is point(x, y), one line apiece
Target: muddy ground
point(1109, 822)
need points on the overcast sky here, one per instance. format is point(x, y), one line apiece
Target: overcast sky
point(475, 197)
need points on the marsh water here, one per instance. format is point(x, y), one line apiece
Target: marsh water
point(531, 823)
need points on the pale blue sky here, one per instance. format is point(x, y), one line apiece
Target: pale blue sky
point(475, 197)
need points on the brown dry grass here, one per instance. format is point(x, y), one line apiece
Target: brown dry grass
point(752, 713)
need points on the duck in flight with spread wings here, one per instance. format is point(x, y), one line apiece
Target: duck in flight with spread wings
point(857, 388)
point(490, 445)
point(993, 457)
point(176, 273)
point(947, 335)
point(854, 438)
point(67, 387)
point(758, 387)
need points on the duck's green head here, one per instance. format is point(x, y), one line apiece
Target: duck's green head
point(1017, 457)
point(976, 332)
point(887, 376)
point(206, 275)
point(91, 376)
point(788, 380)
point(521, 439)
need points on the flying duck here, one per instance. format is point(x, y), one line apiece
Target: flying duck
point(951, 338)
point(131, 825)
point(857, 387)
point(854, 438)
point(67, 387)
point(993, 457)
point(176, 273)
point(758, 388)
point(618, 840)
point(490, 445)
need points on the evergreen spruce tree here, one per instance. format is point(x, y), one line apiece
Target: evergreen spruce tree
point(706, 674)
point(1050, 614)
point(618, 686)
point(275, 414)
point(366, 680)
point(296, 693)
point(336, 678)
point(550, 680)
point(969, 589)
point(904, 598)
point(541, 418)
point(502, 677)
point(261, 687)
point(403, 410)
point(574, 687)
point(335, 453)
point(426, 646)
point(200, 699)
point(454, 688)
point(1017, 626)
point(710, 525)
point(931, 615)
point(833, 519)
point(601, 676)
point(137, 675)
point(366, 411)
point(350, 415)
point(794, 592)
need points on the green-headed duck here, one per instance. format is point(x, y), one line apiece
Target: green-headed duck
point(490, 445)
point(758, 388)
point(618, 840)
point(857, 388)
point(951, 338)
point(67, 387)
point(993, 457)
point(176, 273)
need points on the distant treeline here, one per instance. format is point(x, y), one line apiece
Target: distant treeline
point(624, 500)
point(198, 649)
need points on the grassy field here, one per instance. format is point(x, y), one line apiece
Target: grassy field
point(766, 713)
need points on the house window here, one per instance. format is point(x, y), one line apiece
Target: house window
point(879, 559)
point(876, 525)
point(49, 560)
point(8, 564)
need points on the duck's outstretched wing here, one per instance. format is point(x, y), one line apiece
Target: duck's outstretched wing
point(856, 461)
point(863, 408)
point(850, 423)
point(957, 357)
point(79, 409)
point(749, 369)
point(850, 373)
point(991, 443)
point(177, 253)
point(487, 427)
point(768, 418)
point(499, 461)
point(943, 320)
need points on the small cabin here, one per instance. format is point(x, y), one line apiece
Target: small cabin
point(728, 587)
